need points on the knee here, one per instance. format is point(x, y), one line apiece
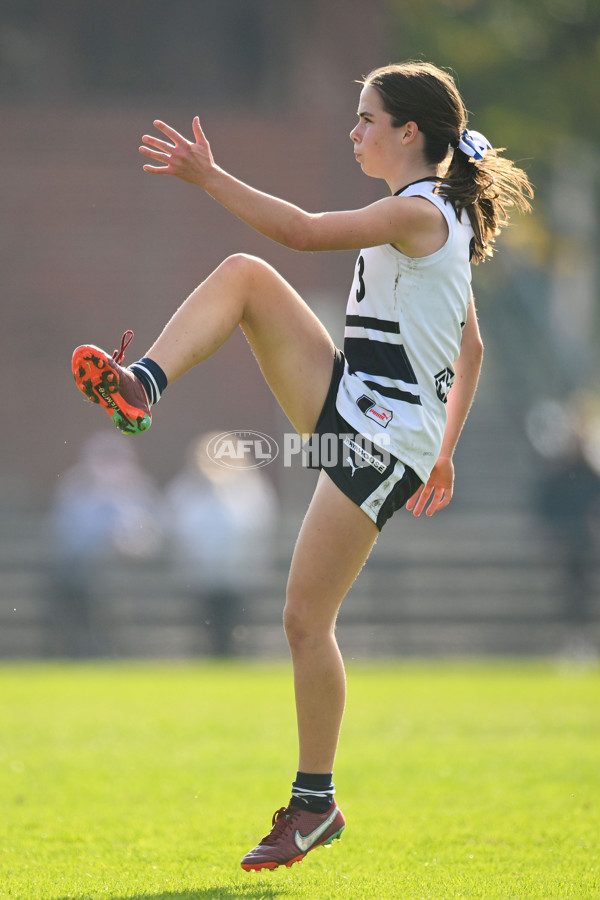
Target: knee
point(302, 628)
point(247, 278)
point(294, 625)
point(243, 267)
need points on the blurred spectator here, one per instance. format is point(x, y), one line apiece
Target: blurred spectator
point(220, 521)
point(568, 496)
point(104, 509)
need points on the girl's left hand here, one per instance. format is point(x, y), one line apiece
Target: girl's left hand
point(190, 161)
point(439, 489)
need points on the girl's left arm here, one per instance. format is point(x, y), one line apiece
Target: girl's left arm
point(440, 485)
point(385, 221)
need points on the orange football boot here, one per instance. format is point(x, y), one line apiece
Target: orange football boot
point(103, 380)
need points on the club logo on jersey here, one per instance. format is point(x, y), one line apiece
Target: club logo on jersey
point(373, 411)
point(443, 382)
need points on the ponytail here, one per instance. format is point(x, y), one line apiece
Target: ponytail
point(487, 186)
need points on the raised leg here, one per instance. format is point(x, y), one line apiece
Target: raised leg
point(293, 349)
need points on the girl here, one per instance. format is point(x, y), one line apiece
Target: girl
point(395, 400)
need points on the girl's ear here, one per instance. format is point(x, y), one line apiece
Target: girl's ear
point(410, 131)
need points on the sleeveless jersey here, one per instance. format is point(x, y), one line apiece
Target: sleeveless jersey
point(403, 332)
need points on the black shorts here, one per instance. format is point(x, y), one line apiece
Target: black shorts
point(372, 478)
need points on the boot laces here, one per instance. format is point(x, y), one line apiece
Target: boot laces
point(282, 819)
point(118, 355)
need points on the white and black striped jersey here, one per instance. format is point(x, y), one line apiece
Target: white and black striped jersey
point(403, 332)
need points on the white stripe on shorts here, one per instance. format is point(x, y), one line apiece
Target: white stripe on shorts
point(372, 505)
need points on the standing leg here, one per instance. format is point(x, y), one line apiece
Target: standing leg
point(334, 543)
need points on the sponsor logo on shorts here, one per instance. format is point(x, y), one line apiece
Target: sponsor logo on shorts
point(351, 463)
point(363, 454)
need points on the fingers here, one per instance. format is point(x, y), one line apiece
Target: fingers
point(198, 133)
point(410, 504)
point(159, 151)
point(439, 497)
point(157, 170)
point(158, 156)
point(426, 493)
point(158, 144)
point(170, 132)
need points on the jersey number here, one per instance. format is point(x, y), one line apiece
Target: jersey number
point(361, 290)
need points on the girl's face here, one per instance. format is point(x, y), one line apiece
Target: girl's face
point(376, 141)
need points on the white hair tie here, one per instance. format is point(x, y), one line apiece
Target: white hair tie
point(474, 144)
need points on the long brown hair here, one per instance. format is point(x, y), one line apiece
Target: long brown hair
point(487, 189)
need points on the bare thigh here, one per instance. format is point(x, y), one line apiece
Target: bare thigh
point(292, 347)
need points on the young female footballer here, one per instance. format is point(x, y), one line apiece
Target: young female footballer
point(395, 399)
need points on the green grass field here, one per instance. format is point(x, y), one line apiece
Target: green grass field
point(151, 781)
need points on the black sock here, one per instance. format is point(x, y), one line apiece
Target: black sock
point(152, 377)
point(313, 792)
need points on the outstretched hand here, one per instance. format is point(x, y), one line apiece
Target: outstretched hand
point(189, 160)
point(439, 489)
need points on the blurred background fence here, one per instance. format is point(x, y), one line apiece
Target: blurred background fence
point(92, 246)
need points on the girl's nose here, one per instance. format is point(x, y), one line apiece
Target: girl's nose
point(354, 134)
